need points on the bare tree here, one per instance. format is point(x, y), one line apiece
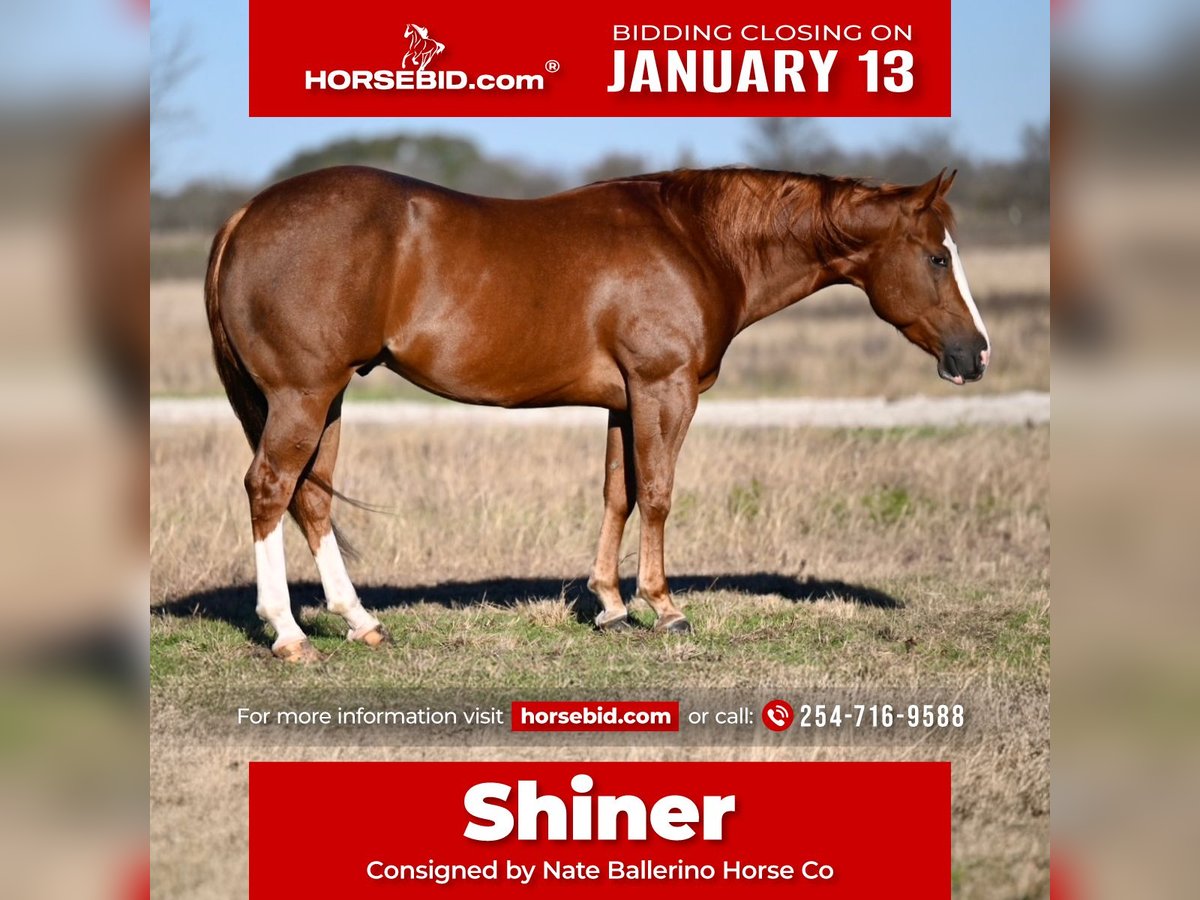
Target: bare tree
point(799, 145)
point(171, 61)
point(615, 165)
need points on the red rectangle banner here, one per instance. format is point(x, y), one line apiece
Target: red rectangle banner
point(595, 715)
point(537, 829)
point(623, 58)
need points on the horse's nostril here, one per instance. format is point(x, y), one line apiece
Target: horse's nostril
point(962, 363)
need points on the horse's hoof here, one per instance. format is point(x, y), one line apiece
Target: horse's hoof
point(301, 652)
point(675, 625)
point(615, 622)
point(373, 637)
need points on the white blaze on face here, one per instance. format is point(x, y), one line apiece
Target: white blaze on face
point(960, 279)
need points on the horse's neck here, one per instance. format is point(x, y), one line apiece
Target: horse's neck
point(778, 271)
point(777, 283)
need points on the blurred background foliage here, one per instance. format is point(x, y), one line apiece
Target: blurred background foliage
point(997, 201)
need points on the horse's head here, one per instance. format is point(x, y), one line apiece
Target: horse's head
point(416, 30)
point(915, 281)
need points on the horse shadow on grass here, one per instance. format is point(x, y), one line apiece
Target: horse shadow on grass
point(234, 604)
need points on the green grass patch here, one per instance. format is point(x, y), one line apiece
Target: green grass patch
point(544, 645)
point(888, 505)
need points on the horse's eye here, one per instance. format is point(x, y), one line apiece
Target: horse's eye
point(940, 261)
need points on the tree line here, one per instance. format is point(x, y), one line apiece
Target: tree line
point(998, 201)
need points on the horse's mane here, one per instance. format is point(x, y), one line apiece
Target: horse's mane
point(745, 211)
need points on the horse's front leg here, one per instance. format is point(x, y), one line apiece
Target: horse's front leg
point(661, 412)
point(619, 497)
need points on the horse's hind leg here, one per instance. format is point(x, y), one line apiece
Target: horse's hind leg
point(292, 431)
point(619, 495)
point(661, 411)
point(312, 509)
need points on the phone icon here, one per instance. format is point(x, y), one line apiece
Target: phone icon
point(777, 715)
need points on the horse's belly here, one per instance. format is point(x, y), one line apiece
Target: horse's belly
point(511, 376)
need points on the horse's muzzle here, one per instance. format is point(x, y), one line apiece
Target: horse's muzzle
point(964, 361)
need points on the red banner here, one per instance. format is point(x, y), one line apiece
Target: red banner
point(621, 58)
point(537, 829)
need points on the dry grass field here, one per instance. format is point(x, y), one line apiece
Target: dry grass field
point(830, 344)
point(867, 564)
point(876, 563)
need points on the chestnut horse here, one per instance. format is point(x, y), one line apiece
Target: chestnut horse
point(623, 294)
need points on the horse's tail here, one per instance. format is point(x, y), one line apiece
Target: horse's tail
point(248, 402)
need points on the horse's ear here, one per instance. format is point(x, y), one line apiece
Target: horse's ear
point(947, 182)
point(924, 196)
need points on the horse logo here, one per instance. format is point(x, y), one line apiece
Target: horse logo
point(421, 47)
